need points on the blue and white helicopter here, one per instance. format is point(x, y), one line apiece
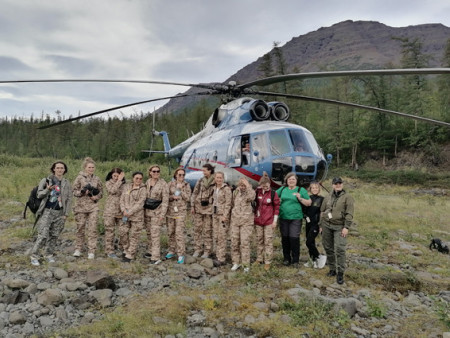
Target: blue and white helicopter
point(245, 136)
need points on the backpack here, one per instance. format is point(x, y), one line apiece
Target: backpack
point(33, 202)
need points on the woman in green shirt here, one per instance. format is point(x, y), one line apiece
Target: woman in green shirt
point(291, 216)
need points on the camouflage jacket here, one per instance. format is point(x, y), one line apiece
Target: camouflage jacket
point(160, 192)
point(84, 203)
point(203, 192)
point(132, 200)
point(44, 194)
point(222, 200)
point(242, 211)
point(112, 204)
point(180, 204)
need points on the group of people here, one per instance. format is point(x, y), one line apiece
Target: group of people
point(219, 213)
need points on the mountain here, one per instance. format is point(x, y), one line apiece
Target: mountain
point(345, 45)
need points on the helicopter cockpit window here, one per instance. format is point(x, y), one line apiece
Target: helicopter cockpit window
point(260, 146)
point(299, 141)
point(313, 144)
point(279, 144)
point(234, 152)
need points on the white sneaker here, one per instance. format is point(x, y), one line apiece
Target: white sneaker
point(77, 253)
point(307, 264)
point(91, 256)
point(315, 266)
point(156, 262)
point(35, 261)
point(321, 261)
point(196, 254)
point(51, 259)
point(235, 267)
point(246, 270)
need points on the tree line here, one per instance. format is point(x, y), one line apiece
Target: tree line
point(351, 135)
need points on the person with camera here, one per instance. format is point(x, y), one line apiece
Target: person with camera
point(179, 195)
point(56, 194)
point(112, 215)
point(88, 190)
point(202, 209)
point(156, 205)
point(266, 215)
point(292, 198)
point(242, 222)
point(222, 200)
point(132, 221)
point(336, 219)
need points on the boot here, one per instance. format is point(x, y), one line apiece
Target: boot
point(286, 250)
point(331, 273)
point(295, 249)
point(340, 278)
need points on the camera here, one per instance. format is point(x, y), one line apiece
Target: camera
point(90, 189)
point(204, 203)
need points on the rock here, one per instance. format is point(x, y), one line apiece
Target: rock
point(100, 280)
point(196, 319)
point(317, 283)
point(103, 297)
point(59, 273)
point(347, 304)
point(43, 286)
point(249, 319)
point(17, 317)
point(61, 314)
point(15, 297)
point(122, 292)
point(359, 331)
point(50, 297)
point(194, 272)
point(261, 306)
point(46, 321)
point(207, 263)
point(16, 283)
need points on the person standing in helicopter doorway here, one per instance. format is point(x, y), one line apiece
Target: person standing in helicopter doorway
point(336, 219)
point(89, 190)
point(202, 210)
point(312, 218)
point(56, 194)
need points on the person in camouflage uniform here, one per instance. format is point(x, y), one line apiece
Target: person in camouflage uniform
point(242, 218)
point(202, 209)
point(56, 194)
point(336, 218)
point(157, 189)
point(222, 200)
point(132, 208)
point(89, 190)
point(112, 215)
point(179, 196)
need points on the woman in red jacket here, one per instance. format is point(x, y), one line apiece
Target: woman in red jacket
point(266, 215)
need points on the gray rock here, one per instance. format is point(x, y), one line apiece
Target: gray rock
point(194, 272)
point(207, 263)
point(122, 292)
point(103, 297)
point(15, 297)
point(261, 306)
point(28, 329)
point(249, 319)
point(347, 304)
point(61, 314)
point(44, 286)
point(50, 297)
point(59, 273)
point(16, 283)
point(196, 319)
point(31, 289)
point(100, 280)
point(46, 321)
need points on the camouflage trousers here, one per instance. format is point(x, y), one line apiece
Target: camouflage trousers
point(240, 243)
point(203, 233)
point(334, 245)
point(153, 228)
point(49, 227)
point(176, 228)
point(87, 222)
point(129, 236)
point(220, 232)
point(264, 238)
point(110, 223)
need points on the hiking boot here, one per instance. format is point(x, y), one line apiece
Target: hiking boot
point(340, 278)
point(77, 253)
point(246, 269)
point(147, 255)
point(113, 256)
point(235, 267)
point(218, 263)
point(180, 260)
point(321, 261)
point(286, 263)
point(170, 255)
point(331, 273)
point(315, 265)
point(35, 261)
point(51, 259)
point(125, 259)
point(155, 262)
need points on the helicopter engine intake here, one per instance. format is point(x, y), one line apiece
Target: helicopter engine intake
point(259, 110)
point(279, 111)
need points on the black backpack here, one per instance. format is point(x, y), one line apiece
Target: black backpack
point(33, 202)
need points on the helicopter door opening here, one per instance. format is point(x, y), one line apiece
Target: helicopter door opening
point(239, 153)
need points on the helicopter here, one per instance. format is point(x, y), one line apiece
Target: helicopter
point(246, 137)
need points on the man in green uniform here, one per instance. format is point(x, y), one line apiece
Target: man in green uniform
point(336, 219)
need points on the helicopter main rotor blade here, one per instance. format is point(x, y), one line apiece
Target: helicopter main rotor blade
point(354, 105)
point(119, 107)
point(299, 76)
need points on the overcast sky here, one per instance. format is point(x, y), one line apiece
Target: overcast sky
point(169, 40)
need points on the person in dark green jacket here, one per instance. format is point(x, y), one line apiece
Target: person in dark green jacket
point(336, 219)
point(291, 216)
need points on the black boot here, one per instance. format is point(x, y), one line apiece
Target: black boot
point(331, 273)
point(295, 249)
point(286, 250)
point(340, 278)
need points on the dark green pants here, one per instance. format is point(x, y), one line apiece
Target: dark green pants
point(334, 245)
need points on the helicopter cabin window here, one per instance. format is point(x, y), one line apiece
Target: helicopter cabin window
point(279, 144)
point(260, 146)
point(299, 142)
point(245, 150)
point(234, 152)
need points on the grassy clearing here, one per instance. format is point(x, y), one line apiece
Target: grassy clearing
point(388, 253)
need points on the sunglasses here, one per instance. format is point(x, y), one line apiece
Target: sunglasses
point(180, 174)
point(155, 171)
